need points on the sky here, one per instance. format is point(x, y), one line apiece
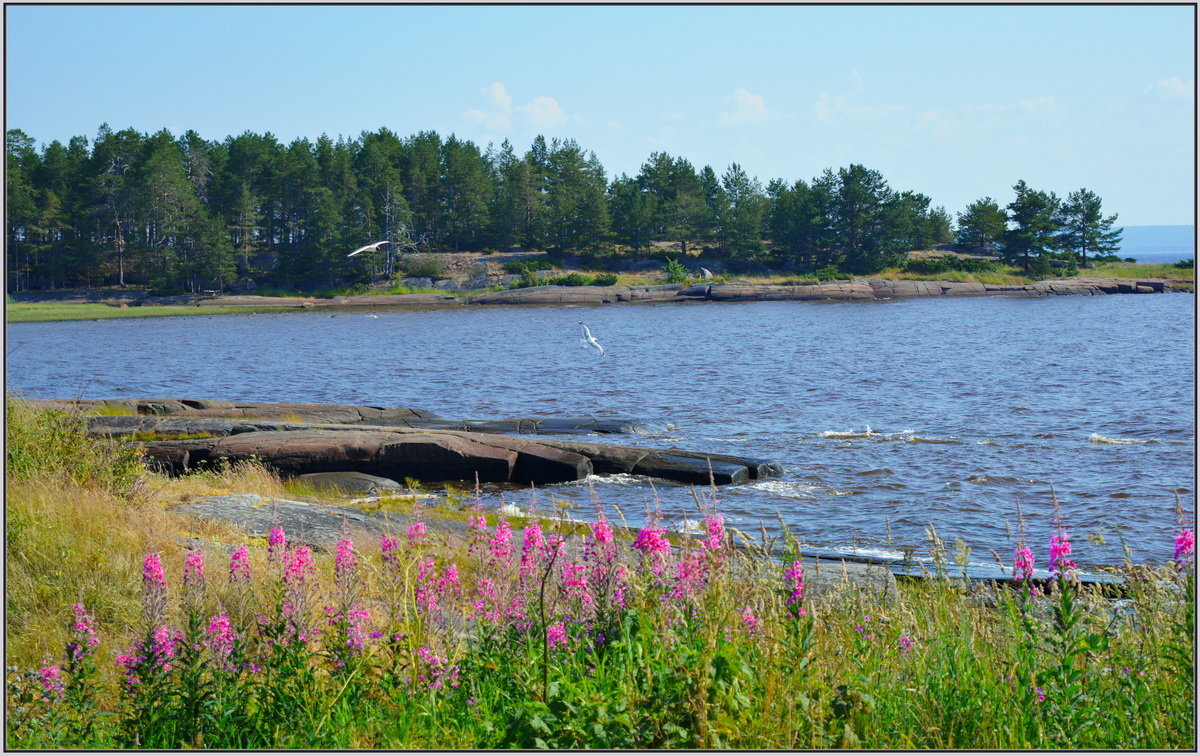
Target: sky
point(957, 102)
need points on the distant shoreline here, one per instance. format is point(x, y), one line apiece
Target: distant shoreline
point(106, 303)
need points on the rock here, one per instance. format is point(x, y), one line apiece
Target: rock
point(353, 482)
point(423, 455)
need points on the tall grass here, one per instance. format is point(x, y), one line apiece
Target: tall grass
point(543, 638)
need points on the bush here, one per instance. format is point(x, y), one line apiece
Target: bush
point(517, 267)
point(827, 274)
point(605, 279)
point(676, 273)
point(1187, 264)
point(423, 266)
point(571, 279)
point(947, 263)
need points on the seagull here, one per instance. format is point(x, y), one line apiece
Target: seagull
point(588, 341)
point(369, 248)
point(705, 273)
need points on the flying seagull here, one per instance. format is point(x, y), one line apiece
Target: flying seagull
point(588, 341)
point(369, 248)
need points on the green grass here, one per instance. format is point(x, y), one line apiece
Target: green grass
point(28, 312)
point(699, 650)
point(1140, 270)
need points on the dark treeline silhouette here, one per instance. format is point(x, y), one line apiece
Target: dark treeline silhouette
point(187, 214)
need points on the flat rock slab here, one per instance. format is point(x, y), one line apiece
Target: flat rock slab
point(672, 464)
point(424, 455)
point(318, 525)
point(353, 482)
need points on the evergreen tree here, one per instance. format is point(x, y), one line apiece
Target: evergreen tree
point(466, 193)
point(631, 212)
point(1032, 226)
point(1083, 227)
point(982, 225)
point(747, 207)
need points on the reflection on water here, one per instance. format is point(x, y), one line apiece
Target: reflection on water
point(887, 417)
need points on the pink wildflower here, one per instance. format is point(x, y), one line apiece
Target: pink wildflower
point(154, 589)
point(575, 585)
point(1060, 551)
point(689, 578)
point(193, 570)
point(556, 635)
point(221, 638)
point(239, 566)
point(276, 543)
point(715, 525)
point(906, 643)
point(501, 545)
point(532, 549)
point(1185, 547)
point(1023, 563)
point(298, 564)
point(389, 546)
point(655, 548)
point(476, 532)
point(83, 636)
point(751, 623)
point(51, 679)
point(794, 576)
point(416, 535)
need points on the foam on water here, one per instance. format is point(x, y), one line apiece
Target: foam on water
point(1096, 438)
point(791, 489)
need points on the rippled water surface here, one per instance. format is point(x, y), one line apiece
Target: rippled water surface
point(888, 416)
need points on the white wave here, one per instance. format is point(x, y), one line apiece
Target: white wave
point(930, 440)
point(788, 489)
point(849, 433)
point(616, 479)
point(1096, 438)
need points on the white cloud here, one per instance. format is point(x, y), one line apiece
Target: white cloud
point(748, 110)
point(842, 108)
point(1173, 88)
point(544, 112)
point(500, 114)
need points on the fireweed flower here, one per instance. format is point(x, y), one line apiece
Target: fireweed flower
point(556, 635)
point(715, 525)
point(193, 580)
point(1022, 563)
point(298, 564)
point(83, 640)
point(906, 643)
point(50, 676)
point(655, 548)
point(416, 535)
point(1060, 551)
point(1185, 547)
point(220, 639)
point(751, 623)
point(533, 547)
point(154, 589)
point(690, 578)
point(276, 544)
point(575, 586)
point(239, 567)
point(476, 532)
point(794, 578)
point(500, 546)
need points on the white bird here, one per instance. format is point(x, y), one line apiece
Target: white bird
point(369, 248)
point(705, 273)
point(588, 341)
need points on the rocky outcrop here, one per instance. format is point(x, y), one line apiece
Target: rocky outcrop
point(578, 295)
point(394, 454)
point(179, 417)
point(399, 443)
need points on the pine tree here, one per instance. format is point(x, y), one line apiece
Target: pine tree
point(1083, 228)
point(1031, 234)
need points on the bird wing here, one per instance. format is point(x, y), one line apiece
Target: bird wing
point(366, 247)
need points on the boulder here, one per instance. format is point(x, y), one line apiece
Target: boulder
point(353, 482)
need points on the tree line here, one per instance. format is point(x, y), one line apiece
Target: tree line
point(188, 214)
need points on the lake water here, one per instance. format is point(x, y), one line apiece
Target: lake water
point(887, 416)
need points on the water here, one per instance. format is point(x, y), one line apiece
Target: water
point(888, 416)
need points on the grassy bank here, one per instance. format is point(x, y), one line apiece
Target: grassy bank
point(122, 637)
point(28, 312)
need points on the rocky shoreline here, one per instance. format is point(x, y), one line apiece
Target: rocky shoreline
point(865, 289)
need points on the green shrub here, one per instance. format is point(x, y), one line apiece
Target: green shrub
point(675, 272)
point(517, 267)
point(605, 279)
point(827, 274)
point(570, 279)
point(947, 263)
point(423, 266)
point(1187, 264)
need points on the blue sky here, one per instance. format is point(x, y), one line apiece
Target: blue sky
point(954, 102)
